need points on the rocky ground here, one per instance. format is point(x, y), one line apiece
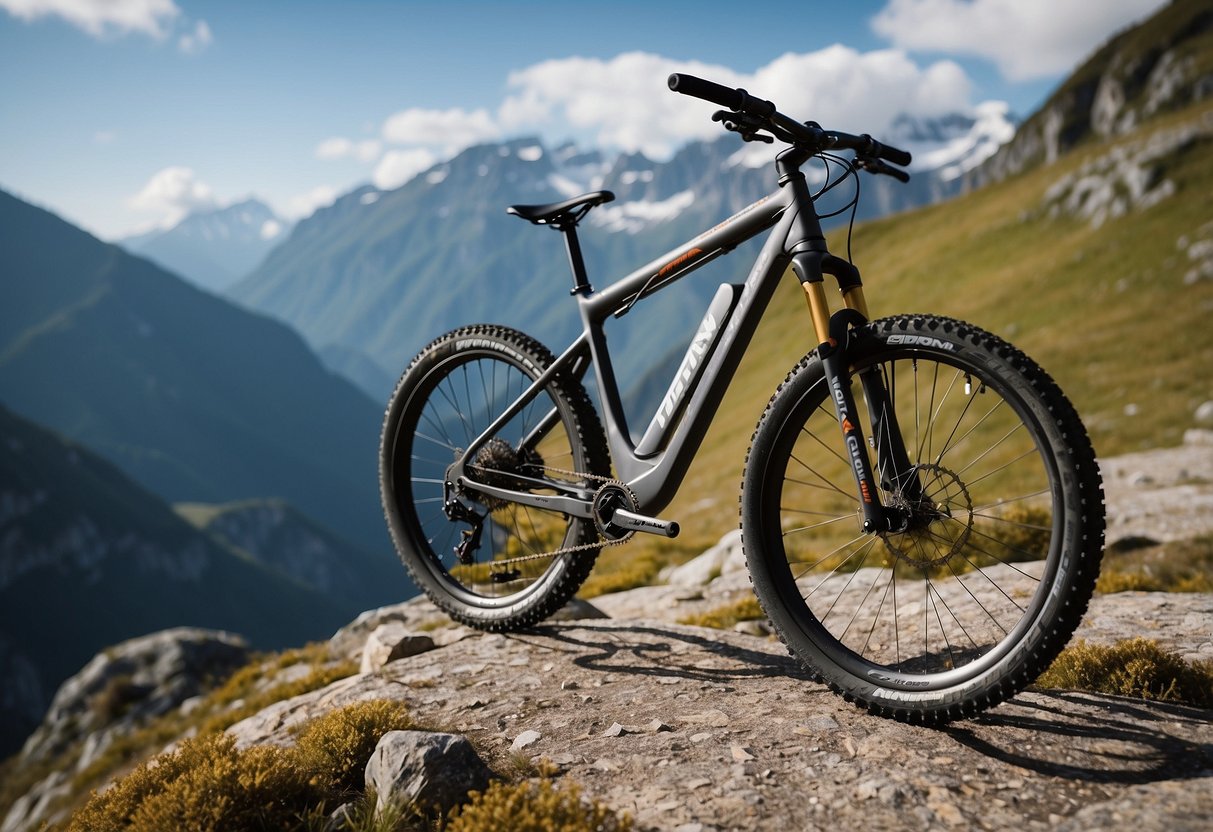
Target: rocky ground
point(695, 729)
point(689, 728)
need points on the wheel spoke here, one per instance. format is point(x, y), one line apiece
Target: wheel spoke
point(941, 594)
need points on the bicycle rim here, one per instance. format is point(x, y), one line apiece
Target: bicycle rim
point(457, 401)
point(945, 600)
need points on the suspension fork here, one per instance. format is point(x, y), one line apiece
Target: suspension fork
point(897, 474)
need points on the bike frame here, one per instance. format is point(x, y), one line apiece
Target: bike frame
point(655, 467)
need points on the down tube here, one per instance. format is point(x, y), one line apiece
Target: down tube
point(656, 486)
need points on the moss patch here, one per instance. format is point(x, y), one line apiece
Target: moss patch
point(535, 806)
point(1137, 667)
point(726, 615)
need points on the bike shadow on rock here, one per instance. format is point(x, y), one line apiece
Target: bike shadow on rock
point(660, 651)
point(1094, 738)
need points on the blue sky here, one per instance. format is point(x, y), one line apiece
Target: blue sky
point(120, 114)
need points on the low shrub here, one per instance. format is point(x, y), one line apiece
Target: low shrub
point(1138, 667)
point(334, 748)
point(208, 784)
point(535, 806)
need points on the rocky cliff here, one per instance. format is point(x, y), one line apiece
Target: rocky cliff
point(1159, 66)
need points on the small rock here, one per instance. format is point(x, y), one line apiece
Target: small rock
point(1140, 478)
point(525, 739)
point(867, 790)
point(341, 818)
point(569, 684)
point(577, 610)
point(704, 569)
point(696, 783)
point(741, 754)
point(389, 642)
point(750, 628)
point(712, 717)
point(617, 730)
point(427, 769)
point(1204, 413)
point(822, 722)
point(1198, 436)
point(701, 737)
point(658, 727)
point(1132, 409)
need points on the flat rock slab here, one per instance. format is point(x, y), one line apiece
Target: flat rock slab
point(724, 730)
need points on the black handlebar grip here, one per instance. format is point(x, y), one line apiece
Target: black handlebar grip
point(894, 155)
point(707, 90)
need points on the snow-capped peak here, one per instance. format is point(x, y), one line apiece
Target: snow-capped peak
point(954, 143)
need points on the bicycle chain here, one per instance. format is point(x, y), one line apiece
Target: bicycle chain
point(581, 547)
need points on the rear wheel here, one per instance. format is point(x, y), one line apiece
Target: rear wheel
point(490, 563)
point(1003, 523)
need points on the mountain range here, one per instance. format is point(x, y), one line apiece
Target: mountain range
point(192, 397)
point(369, 280)
point(89, 558)
point(213, 248)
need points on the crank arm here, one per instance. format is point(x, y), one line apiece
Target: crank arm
point(631, 521)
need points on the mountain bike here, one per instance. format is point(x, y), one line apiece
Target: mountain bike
point(921, 508)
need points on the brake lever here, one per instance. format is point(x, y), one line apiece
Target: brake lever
point(745, 125)
point(873, 165)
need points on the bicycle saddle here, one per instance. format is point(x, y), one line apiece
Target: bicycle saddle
point(561, 213)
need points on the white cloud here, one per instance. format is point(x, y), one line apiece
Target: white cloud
point(304, 205)
point(101, 17)
point(171, 194)
point(451, 130)
point(341, 148)
point(1025, 38)
point(399, 166)
point(626, 102)
point(270, 229)
point(196, 41)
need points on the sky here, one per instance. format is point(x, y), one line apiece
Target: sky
point(123, 115)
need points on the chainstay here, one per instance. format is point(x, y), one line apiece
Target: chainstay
point(580, 547)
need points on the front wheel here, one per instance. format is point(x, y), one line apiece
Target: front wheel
point(1001, 530)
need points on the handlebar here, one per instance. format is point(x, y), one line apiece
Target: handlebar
point(788, 129)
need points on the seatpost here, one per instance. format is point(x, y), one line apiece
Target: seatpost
point(581, 285)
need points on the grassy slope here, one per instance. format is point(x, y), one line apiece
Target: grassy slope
point(1104, 311)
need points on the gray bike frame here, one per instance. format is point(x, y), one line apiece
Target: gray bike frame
point(654, 476)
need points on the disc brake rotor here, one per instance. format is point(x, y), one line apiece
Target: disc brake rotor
point(940, 522)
